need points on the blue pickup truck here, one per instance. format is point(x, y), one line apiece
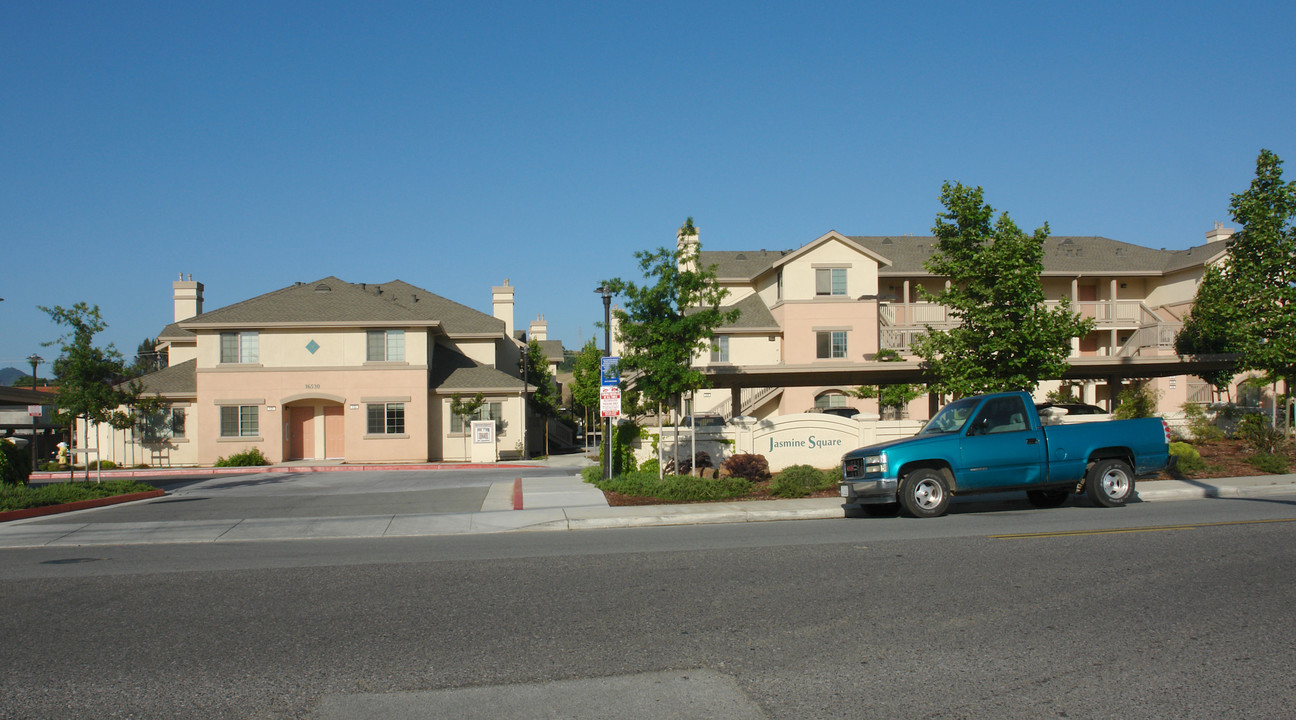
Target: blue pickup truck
point(994, 443)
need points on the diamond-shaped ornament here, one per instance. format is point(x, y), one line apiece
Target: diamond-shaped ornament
point(312, 346)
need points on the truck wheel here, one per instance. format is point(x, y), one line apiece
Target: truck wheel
point(882, 510)
point(1047, 498)
point(1110, 483)
point(924, 493)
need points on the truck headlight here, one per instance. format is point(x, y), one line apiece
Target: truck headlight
point(875, 464)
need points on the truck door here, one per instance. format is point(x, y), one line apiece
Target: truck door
point(999, 448)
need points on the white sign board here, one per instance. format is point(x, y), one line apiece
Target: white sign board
point(34, 410)
point(610, 401)
point(483, 442)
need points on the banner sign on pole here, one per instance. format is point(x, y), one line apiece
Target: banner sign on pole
point(609, 373)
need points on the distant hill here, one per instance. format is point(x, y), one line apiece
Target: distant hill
point(9, 375)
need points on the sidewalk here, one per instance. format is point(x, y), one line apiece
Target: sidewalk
point(536, 504)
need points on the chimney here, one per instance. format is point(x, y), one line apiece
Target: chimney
point(539, 330)
point(502, 304)
point(686, 240)
point(1219, 233)
point(188, 298)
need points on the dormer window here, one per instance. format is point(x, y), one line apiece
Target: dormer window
point(830, 281)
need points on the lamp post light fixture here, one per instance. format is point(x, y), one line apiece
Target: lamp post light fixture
point(35, 360)
point(607, 352)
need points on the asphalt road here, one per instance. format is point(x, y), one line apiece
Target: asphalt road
point(1180, 609)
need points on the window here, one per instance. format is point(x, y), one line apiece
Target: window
point(720, 349)
point(1000, 415)
point(488, 411)
point(238, 347)
point(386, 419)
point(830, 281)
point(830, 344)
point(830, 400)
point(778, 287)
point(162, 425)
point(239, 421)
point(385, 345)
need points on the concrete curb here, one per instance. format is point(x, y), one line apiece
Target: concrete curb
point(43, 510)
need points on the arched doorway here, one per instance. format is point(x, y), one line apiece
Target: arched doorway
point(314, 430)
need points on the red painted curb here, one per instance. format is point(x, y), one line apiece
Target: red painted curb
point(78, 505)
point(517, 493)
point(117, 474)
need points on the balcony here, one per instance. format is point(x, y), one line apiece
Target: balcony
point(900, 323)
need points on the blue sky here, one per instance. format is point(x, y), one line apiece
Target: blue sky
point(454, 145)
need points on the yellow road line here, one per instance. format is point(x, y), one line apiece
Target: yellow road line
point(1155, 528)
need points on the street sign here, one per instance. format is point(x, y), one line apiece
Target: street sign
point(610, 402)
point(609, 373)
point(34, 410)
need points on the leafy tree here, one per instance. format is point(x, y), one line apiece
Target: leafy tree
point(466, 410)
point(545, 399)
point(1008, 338)
point(147, 358)
point(86, 374)
point(585, 378)
point(668, 321)
point(1213, 326)
point(1137, 400)
point(1261, 268)
point(890, 396)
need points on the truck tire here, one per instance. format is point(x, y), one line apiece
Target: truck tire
point(1047, 498)
point(1110, 483)
point(924, 493)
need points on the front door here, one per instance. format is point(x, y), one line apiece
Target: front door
point(334, 430)
point(301, 433)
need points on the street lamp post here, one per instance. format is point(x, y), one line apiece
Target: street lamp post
point(34, 360)
point(607, 352)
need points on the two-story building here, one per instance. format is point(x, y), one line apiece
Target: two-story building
point(359, 372)
point(820, 314)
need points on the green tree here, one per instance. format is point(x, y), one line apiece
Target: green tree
point(86, 374)
point(466, 410)
point(668, 321)
point(147, 358)
point(1261, 268)
point(1214, 325)
point(585, 379)
point(890, 396)
point(1007, 339)
point(544, 400)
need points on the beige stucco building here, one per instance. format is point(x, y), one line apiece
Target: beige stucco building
point(331, 370)
point(838, 300)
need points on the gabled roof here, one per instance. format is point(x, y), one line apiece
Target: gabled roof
point(553, 350)
point(178, 379)
point(754, 315)
point(740, 265)
point(832, 236)
point(332, 301)
point(174, 332)
point(1063, 255)
point(455, 372)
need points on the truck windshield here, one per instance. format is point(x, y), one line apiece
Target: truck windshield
point(950, 419)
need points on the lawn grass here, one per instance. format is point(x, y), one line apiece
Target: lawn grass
point(21, 497)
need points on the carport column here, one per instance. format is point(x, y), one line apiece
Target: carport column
point(1113, 390)
point(735, 402)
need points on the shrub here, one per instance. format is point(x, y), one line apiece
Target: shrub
point(1136, 401)
point(52, 466)
point(1201, 425)
point(247, 458)
point(801, 480)
point(623, 437)
point(18, 498)
point(1189, 460)
point(651, 465)
point(103, 465)
point(1269, 463)
point(1259, 435)
point(678, 488)
point(15, 465)
point(752, 467)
